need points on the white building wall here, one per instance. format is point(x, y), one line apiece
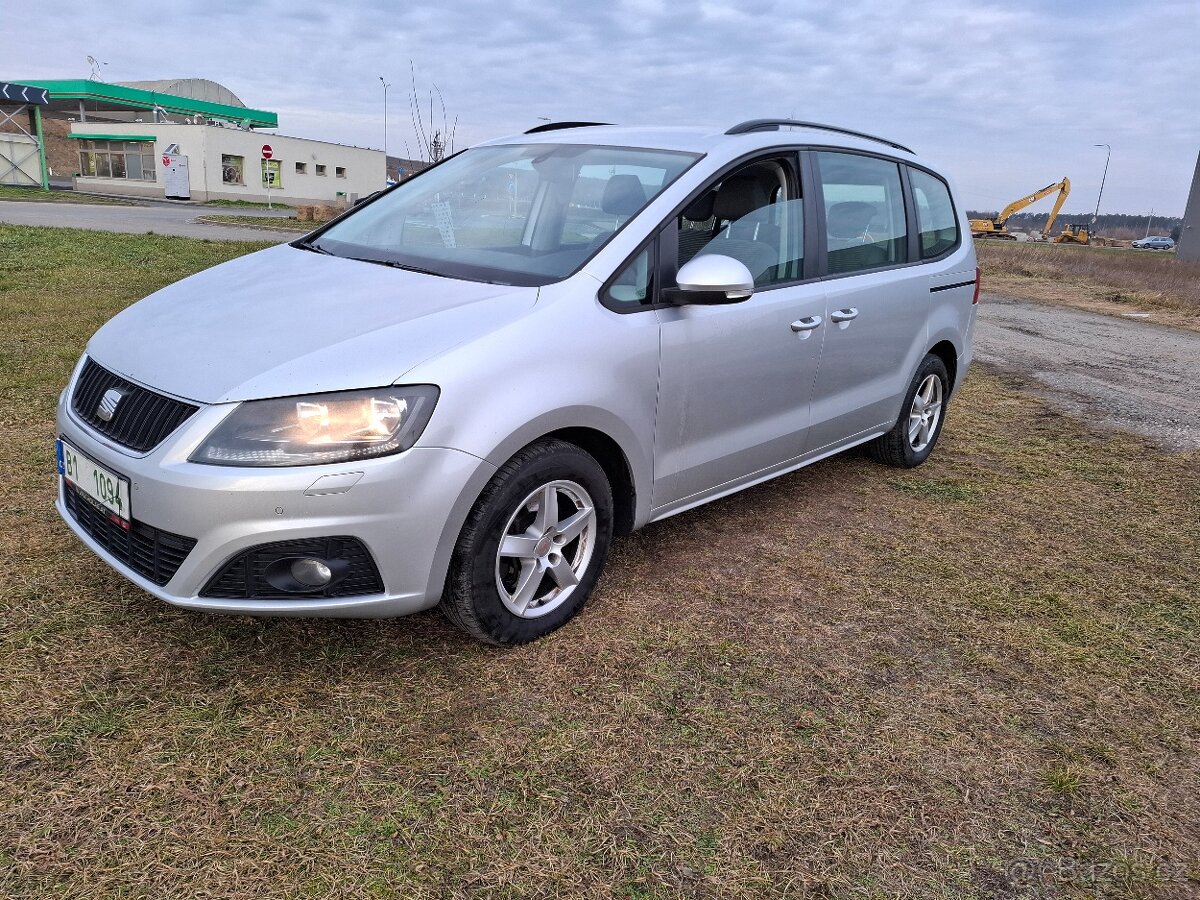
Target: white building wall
point(363, 170)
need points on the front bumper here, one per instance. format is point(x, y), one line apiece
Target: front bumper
point(407, 509)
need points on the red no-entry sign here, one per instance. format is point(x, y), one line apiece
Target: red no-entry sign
point(267, 151)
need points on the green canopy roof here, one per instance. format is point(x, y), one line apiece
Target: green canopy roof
point(119, 96)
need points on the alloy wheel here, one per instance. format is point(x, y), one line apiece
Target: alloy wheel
point(545, 549)
point(925, 414)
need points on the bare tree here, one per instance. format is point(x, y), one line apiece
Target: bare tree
point(435, 140)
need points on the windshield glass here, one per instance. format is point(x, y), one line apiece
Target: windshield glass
point(526, 214)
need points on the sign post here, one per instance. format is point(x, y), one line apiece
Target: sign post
point(267, 153)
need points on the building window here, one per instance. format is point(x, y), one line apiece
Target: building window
point(301, 168)
point(339, 171)
point(320, 169)
point(232, 168)
point(130, 160)
point(272, 174)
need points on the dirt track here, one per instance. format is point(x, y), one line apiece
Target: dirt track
point(1114, 372)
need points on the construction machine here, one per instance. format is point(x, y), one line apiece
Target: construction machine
point(995, 228)
point(1073, 234)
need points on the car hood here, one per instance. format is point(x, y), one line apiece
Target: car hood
point(286, 321)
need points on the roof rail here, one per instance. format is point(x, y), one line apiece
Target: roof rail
point(776, 124)
point(557, 126)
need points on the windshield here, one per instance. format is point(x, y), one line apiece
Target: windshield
point(526, 214)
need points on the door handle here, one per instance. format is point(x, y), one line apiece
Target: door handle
point(808, 323)
point(844, 315)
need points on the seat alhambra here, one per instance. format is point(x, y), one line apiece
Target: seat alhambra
point(459, 391)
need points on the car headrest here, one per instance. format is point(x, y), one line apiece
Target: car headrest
point(849, 219)
point(623, 195)
point(739, 196)
point(701, 209)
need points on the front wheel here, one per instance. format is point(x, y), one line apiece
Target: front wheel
point(914, 435)
point(532, 547)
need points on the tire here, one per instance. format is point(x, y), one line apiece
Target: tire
point(550, 564)
point(916, 432)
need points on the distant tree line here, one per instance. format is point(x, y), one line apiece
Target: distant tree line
point(1114, 225)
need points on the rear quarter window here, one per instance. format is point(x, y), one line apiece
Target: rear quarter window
point(936, 221)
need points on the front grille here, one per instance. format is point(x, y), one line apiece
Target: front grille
point(151, 552)
point(142, 418)
point(244, 576)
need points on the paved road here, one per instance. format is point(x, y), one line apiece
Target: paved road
point(161, 218)
point(1114, 372)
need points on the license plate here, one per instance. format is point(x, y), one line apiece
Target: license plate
point(105, 488)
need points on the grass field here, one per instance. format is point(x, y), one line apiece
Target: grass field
point(978, 679)
point(1090, 276)
point(281, 223)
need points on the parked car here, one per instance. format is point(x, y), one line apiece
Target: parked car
point(456, 397)
point(1154, 243)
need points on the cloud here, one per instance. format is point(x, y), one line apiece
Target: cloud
point(1009, 97)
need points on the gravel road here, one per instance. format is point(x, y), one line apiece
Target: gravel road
point(159, 217)
point(1114, 372)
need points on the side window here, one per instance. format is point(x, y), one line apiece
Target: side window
point(935, 214)
point(864, 212)
point(632, 286)
point(754, 215)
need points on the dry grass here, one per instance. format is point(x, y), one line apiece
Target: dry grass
point(1129, 279)
point(979, 679)
point(37, 195)
point(278, 223)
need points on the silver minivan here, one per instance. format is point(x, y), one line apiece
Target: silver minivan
point(459, 391)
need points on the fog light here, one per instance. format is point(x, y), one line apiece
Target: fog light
point(312, 573)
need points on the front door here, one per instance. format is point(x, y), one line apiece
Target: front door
point(735, 380)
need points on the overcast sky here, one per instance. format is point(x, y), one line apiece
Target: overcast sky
point(1008, 96)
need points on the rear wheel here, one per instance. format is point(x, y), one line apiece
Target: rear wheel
point(532, 547)
point(914, 435)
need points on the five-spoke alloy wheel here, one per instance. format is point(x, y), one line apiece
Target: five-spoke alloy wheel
point(925, 414)
point(532, 546)
point(546, 548)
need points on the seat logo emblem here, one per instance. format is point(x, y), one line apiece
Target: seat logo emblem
point(108, 404)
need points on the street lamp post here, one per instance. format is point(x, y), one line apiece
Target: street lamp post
point(1107, 157)
point(385, 134)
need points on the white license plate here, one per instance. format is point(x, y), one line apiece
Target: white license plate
point(105, 488)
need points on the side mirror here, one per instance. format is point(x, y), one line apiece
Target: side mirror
point(711, 279)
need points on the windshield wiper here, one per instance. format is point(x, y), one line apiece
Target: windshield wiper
point(311, 248)
point(399, 265)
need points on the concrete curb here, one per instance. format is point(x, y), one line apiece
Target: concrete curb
point(205, 220)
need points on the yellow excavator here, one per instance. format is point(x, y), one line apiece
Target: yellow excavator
point(995, 228)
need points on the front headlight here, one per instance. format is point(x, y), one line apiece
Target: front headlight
point(321, 428)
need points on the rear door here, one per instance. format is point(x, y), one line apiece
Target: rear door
point(877, 302)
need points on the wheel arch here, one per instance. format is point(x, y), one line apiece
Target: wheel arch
point(608, 453)
point(948, 354)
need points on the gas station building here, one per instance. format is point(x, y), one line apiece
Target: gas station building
point(189, 139)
